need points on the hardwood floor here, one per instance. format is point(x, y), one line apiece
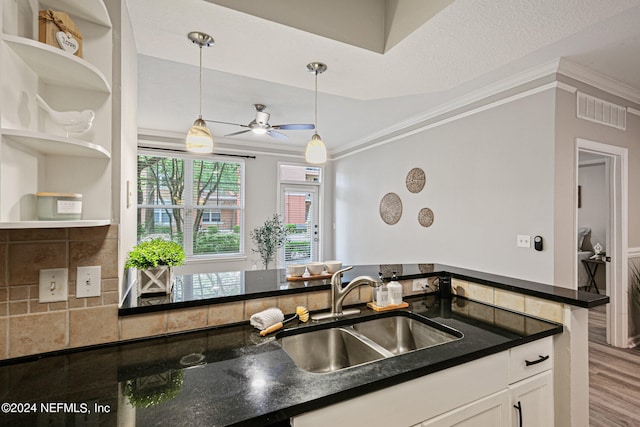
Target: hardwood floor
point(614, 378)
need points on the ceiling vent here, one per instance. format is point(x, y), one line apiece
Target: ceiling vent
point(600, 111)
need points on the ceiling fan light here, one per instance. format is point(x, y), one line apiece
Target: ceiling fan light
point(259, 130)
point(199, 138)
point(316, 152)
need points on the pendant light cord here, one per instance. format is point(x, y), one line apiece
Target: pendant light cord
point(316, 111)
point(200, 112)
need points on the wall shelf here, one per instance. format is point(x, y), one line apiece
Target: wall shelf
point(90, 10)
point(53, 224)
point(57, 67)
point(54, 145)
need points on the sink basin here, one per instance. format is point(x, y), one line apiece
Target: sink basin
point(328, 350)
point(354, 342)
point(400, 334)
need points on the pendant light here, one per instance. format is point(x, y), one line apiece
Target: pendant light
point(316, 152)
point(199, 138)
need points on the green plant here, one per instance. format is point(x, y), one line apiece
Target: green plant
point(152, 253)
point(634, 288)
point(269, 238)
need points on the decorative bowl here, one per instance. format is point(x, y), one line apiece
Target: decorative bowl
point(315, 268)
point(333, 266)
point(296, 270)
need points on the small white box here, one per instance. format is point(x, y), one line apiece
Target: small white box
point(59, 206)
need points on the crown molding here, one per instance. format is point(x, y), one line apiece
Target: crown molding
point(509, 83)
point(598, 80)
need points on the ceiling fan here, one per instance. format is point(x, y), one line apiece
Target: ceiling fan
point(260, 125)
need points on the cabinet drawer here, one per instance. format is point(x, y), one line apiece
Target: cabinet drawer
point(530, 359)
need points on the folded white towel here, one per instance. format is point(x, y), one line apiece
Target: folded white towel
point(264, 319)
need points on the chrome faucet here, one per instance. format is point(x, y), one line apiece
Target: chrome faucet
point(338, 294)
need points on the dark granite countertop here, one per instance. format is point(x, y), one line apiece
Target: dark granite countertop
point(213, 288)
point(232, 376)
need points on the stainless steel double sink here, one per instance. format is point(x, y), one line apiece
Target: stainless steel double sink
point(363, 340)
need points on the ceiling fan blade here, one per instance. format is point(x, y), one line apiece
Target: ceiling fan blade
point(299, 126)
point(238, 133)
point(226, 123)
point(277, 135)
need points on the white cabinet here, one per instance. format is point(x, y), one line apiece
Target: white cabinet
point(480, 393)
point(490, 411)
point(532, 401)
point(36, 155)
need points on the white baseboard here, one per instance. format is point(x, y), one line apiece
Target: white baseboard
point(634, 341)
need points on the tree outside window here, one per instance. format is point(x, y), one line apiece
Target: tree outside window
point(195, 202)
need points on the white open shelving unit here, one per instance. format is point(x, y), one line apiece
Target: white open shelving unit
point(35, 152)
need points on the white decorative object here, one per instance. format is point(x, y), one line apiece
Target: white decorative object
point(155, 280)
point(67, 42)
point(72, 121)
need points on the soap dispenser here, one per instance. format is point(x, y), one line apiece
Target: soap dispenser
point(382, 295)
point(395, 290)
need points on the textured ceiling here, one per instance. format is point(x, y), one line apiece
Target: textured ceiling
point(470, 43)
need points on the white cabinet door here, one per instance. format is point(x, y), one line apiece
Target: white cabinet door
point(532, 401)
point(490, 411)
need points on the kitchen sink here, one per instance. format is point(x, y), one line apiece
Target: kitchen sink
point(357, 341)
point(328, 350)
point(400, 334)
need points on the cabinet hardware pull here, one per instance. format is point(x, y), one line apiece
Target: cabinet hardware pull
point(535, 362)
point(519, 408)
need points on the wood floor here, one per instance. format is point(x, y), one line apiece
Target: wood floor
point(614, 378)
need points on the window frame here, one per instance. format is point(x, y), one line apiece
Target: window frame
point(189, 207)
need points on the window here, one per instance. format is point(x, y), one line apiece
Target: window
point(196, 202)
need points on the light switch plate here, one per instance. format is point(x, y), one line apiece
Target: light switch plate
point(53, 285)
point(88, 282)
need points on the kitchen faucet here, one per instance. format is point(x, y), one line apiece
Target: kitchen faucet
point(338, 294)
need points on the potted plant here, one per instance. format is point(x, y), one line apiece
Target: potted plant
point(154, 260)
point(268, 238)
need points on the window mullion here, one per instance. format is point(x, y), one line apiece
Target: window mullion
point(187, 201)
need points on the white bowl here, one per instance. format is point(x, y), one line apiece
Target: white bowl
point(333, 266)
point(315, 268)
point(296, 270)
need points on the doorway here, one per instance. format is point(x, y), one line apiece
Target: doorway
point(608, 221)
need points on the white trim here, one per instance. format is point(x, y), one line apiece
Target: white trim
point(634, 341)
point(527, 93)
point(594, 162)
point(633, 253)
point(632, 110)
point(618, 309)
point(597, 80)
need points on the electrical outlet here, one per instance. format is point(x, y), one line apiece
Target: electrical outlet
point(523, 241)
point(88, 282)
point(422, 285)
point(53, 285)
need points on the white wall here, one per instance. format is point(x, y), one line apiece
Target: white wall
point(490, 177)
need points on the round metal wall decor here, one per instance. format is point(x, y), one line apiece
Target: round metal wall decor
point(425, 217)
point(416, 179)
point(391, 208)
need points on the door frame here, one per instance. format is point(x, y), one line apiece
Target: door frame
point(617, 275)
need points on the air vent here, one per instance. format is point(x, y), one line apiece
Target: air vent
point(600, 111)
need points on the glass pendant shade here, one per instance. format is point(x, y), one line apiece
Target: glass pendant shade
point(316, 152)
point(199, 138)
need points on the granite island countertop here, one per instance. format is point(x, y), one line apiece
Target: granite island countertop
point(231, 376)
